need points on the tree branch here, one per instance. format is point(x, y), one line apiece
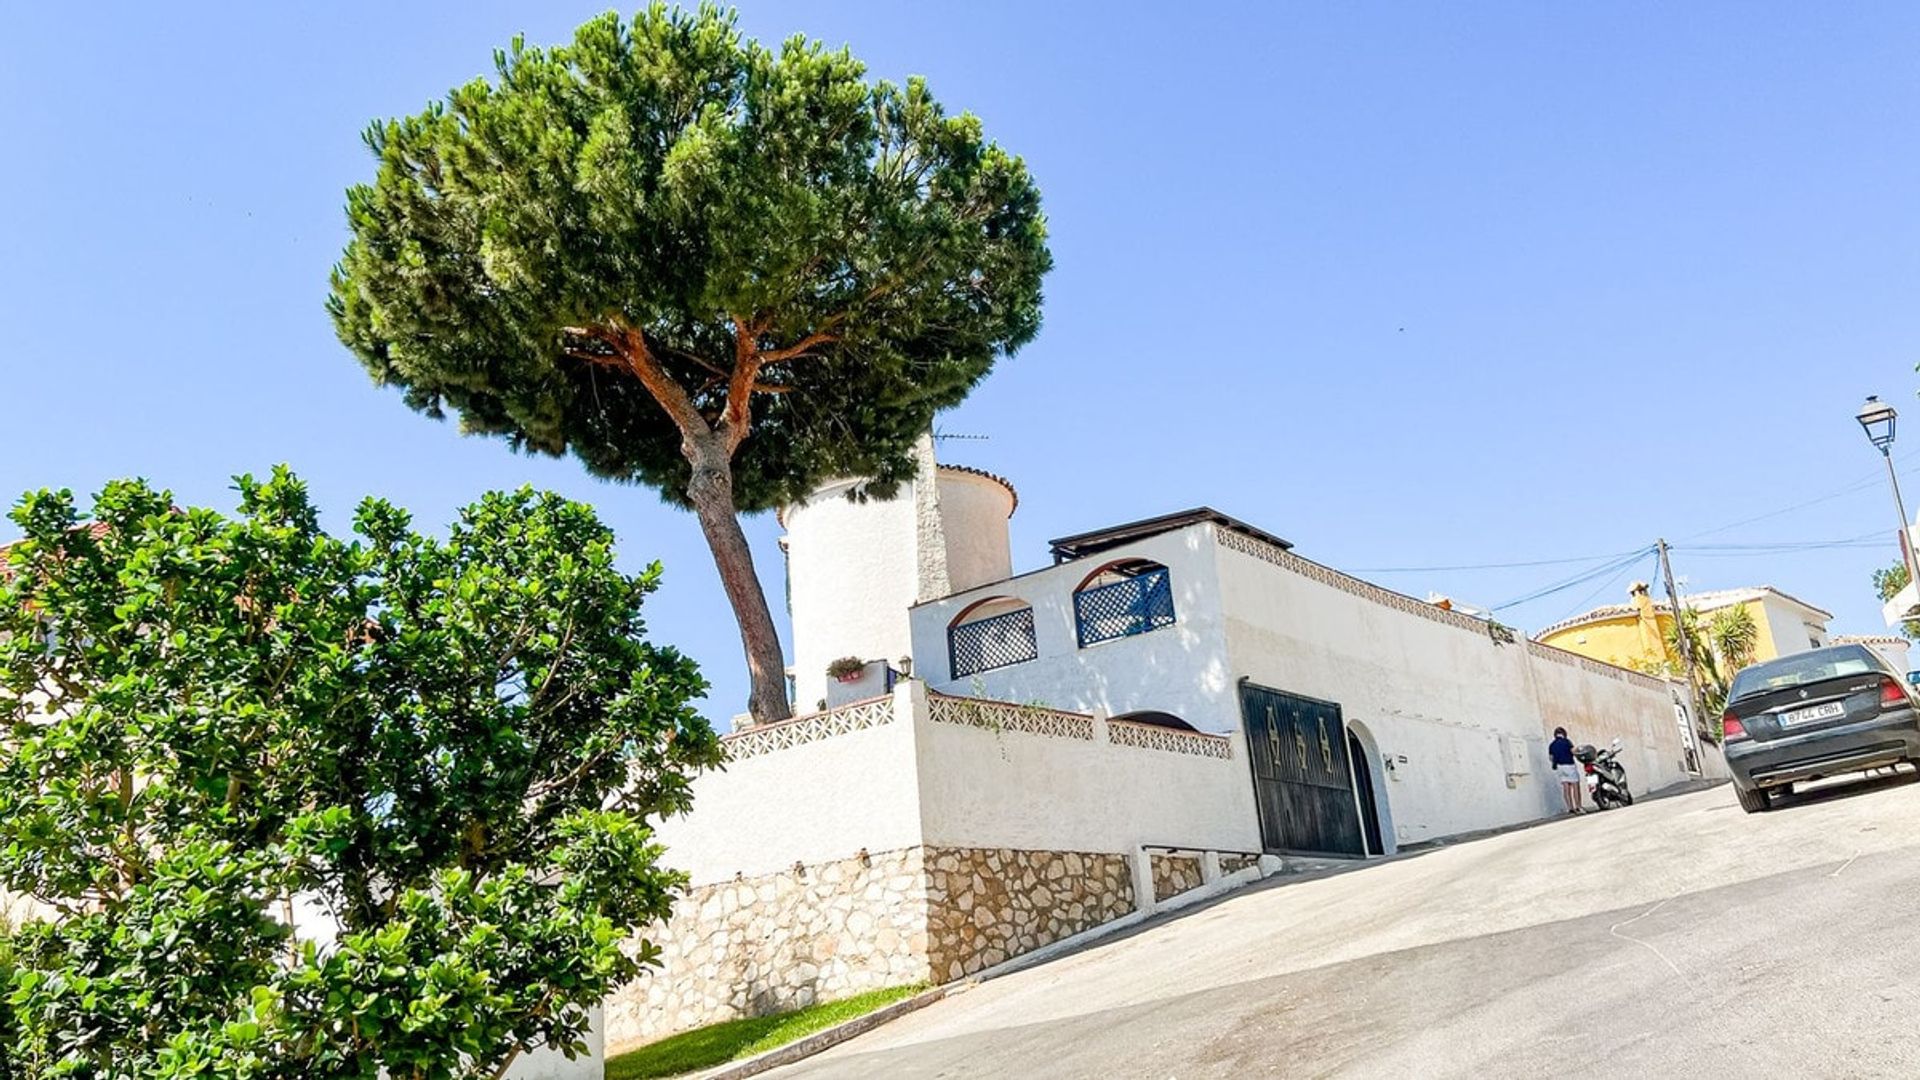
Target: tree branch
point(737, 419)
point(629, 351)
point(799, 348)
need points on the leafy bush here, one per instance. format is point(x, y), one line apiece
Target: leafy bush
point(442, 753)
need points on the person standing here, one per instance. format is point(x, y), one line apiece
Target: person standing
point(1560, 750)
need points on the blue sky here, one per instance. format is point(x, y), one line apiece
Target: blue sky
point(1410, 285)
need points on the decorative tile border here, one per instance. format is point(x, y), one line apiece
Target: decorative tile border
point(1007, 716)
point(1155, 737)
point(1573, 659)
point(801, 730)
point(1247, 545)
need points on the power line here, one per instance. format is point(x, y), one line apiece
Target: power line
point(1607, 584)
point(1859, 485)
point(1578, 579)
point(1776, 553)
point(1869, 539)
point(1488, 566)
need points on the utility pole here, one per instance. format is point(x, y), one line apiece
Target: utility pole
point(1686, 639)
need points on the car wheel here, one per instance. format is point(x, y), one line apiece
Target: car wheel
point(1755, 801)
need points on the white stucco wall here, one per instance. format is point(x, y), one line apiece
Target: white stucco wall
point(973, 520)
point(1439, 694)
point(853, 573)
point(1793, 627)
point(1443, 697)
point(1012, 789)
point(915, 781)
point(1179, 669)
point(809, 803)
point(554, 1065)
point(1597, 709)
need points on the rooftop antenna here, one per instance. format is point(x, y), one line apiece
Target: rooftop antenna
point(941, 436)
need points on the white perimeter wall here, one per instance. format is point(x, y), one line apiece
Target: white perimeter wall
point(554, 1065)
point(1443, 697)
point(1180, 669)
point(1013, 789)
point(1597, 709)
point(914, 780)
point(809, 803)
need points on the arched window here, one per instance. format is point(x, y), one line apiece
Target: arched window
point(1157, 719)
point(1121, 599)
point(991, 633)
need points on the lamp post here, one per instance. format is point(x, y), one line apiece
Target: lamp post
point(1877, 420)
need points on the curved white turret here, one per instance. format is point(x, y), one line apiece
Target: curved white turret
point(854, 568)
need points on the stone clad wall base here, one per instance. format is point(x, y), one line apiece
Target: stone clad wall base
point(1175, 874)
point(1237, 861)
point(783, 941)
point(989, 905)
point(779, 942)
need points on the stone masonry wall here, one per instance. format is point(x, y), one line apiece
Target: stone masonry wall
point(1238, 861)
point(987, 905)
point(755, 946)
point(1175, 874)
point(770, 944)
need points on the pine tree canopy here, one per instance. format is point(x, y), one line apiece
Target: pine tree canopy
point(664, 232)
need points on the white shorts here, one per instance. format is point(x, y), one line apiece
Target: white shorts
point(1568, 774)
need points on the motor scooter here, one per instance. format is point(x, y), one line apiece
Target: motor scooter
point(1606, 777)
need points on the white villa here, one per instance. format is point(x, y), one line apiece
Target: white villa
point(1163, 711)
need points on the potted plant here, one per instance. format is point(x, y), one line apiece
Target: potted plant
point(847, 669)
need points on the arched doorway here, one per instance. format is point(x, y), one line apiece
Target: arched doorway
point(1369, 789)
point(1363, 793)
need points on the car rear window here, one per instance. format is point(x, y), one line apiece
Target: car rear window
point(1792, 671)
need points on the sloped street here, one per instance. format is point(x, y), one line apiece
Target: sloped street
point(1677, 937)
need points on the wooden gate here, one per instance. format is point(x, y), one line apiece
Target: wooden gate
point(1301, 778)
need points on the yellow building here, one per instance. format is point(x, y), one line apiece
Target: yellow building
point(1634, 634)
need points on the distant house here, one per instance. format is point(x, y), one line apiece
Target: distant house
point(1635, 634)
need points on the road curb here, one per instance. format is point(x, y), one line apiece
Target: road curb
point(833, 1036)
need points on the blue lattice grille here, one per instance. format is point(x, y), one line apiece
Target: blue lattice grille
point(1134, 606)
point(985, 644)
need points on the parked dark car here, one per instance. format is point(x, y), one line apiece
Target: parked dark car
point(1815, 714)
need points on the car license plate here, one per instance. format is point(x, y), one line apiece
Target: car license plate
point(1817, 712)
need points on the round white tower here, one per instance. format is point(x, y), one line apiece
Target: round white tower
point(854, 568)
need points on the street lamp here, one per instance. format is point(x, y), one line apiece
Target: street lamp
point(1877, 419)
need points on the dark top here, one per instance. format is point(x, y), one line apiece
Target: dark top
point(1561, 751)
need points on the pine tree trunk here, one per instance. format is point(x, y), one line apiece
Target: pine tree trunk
point(711, 492)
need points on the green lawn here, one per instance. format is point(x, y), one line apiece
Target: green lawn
point(717, 1044)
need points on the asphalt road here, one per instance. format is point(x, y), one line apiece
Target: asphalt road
point(1679, 937)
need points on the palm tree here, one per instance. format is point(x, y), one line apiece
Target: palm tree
point(1734, 636)
point(1721, 646)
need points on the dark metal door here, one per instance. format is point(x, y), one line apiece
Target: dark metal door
point(1301, 780)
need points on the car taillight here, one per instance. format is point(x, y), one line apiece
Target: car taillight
point(1892, 693)
point(1731, 728)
